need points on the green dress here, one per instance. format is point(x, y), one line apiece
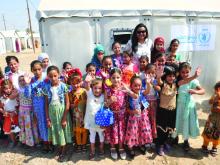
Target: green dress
point(59, 136)
point(187, 123)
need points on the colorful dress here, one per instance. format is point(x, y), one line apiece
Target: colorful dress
point(152, 99)
point(138, 127)
point(211, 131)
point(117, 60)
point(56, 98)
point(115, 133)
point(78, 99)
point(34, 90)
point(187, 123)
point(127, 72)
point(29, 132)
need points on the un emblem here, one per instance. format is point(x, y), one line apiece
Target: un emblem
point(204, 36)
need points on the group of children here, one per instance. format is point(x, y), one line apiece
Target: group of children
point(150, 102)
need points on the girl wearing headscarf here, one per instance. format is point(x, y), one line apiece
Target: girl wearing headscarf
point(44, 58)
point(98, 55)
point(158, 48)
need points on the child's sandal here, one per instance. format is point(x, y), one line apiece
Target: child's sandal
point(114, 154)
point(78, 149)
point(213, 152)
point(92, 156)
point(84, 149)
point(61, 158)
point(122, 154)
point(205, 149)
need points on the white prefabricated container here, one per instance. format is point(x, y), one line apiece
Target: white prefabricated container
point(24, 39)
point(2, 44)
point(71, 29)
point(11, 37)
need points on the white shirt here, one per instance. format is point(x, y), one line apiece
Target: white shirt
point(54, 91)
point(143, 48)
point(9, 104)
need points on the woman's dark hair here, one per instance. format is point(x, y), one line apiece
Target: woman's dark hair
point(106, 57)
point(134, 77)
point(65, 64)
point(34, 63)
point(144, 58)
point(52, 67)
point(217, 85)
point(7, 59)
point(115, 70)
point(171, 43)
point(115, 42)
point(90, 64)
point(12, 58)
point(134, 39)
point(168, 70)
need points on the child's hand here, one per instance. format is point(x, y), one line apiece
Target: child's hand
point(88, 78)
point(63, 122)
point(192, 91)
point(27, 78)
point(137, 111)
point(125, 88)
point(159, 71)
point(49, 123)
point(148, 79)
point(198, 72)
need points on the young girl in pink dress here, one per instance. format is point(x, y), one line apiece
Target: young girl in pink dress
point(138, 131)
point(115, 100)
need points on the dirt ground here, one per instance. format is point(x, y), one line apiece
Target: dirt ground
point(34, 156)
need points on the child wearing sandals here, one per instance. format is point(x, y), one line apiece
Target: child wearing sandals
point(78, 107)
point(211, 131)
point(57, 112)
point(138, 131)
point(95, 99)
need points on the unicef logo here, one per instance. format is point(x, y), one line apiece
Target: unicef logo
point(204, 36)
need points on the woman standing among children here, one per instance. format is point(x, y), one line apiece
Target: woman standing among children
point(99, 53)
point(9, 108)
point(33, 89)
point(77, 99)
point(187, 123)
point(44, 59)
point(28, 125)
point(57, 111)
point(172, 50)
point(138, 131)
point(211, 131)
point(158, 48)
point(140, 44)
point(95, 99)
point(115, 100)
point(117, 56)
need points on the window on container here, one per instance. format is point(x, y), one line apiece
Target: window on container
point(122, 37)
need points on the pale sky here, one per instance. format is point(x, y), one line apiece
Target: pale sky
point(15, 13)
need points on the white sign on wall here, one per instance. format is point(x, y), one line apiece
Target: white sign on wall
point(194, 37)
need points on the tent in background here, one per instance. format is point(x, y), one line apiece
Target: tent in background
point(12, 41)
point(2, 44)
point(71, 29)
point(24, 39)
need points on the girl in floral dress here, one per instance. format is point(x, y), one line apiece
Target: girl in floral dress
point(115, 100)
point(138, 131)
point(78, 107)
point(29, 132)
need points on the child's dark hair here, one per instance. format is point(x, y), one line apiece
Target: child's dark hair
point(168, 70)
point(65, 64)
point(159, 54)
point(184, 65)
point(1, 73)
point(89, 65)
point(149, 66)
point(34, 63)
point(12, 58)
point(7, 59)
point(115, 70)
point(127, 53)
point(134, 77)
point(144, 57)
point(106, 57)
point(115, 42)
point(171, 43)
point(217, 85)
point(52, 67)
